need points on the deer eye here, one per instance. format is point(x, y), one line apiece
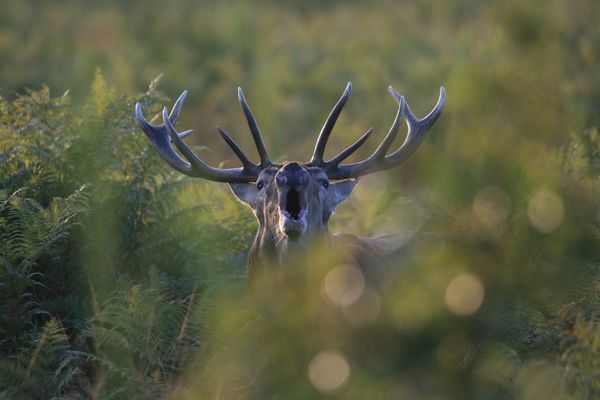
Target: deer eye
point(324, 184)
point(260, 185)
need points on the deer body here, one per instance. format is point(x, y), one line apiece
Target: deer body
point(294, 201)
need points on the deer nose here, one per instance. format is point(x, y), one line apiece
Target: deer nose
point(293, 175)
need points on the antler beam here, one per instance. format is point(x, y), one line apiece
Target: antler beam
point(164, 136)
point(378, 161)
point(166, 139)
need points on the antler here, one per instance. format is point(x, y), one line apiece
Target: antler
point(164, 136)
point(378, 161)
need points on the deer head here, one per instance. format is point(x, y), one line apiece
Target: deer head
point(291, 200)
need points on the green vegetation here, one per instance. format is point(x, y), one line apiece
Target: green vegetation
point(122, 279)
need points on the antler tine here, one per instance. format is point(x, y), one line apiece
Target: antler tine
point(351, 149)
point(379, 153)
point(174, 115)
point(164, 136)
point(317, 157)
point(159, 137)
point(249, 165)
point(378, 161)
point(417, 128)
point(260, 145)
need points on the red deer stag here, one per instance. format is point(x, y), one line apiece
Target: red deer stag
point(294, 201)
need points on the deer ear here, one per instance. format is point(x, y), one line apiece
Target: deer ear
point(245, 192)
point(341, 190)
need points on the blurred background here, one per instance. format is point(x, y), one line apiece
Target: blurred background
point(123, 279)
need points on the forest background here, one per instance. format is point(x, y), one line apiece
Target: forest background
point(120, 278)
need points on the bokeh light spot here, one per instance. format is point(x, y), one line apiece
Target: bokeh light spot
point(464, 294)
point(546, 211)
point(344, 285)
point(328, 371)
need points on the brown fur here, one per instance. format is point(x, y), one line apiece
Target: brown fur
point(293, 202)
point(272, 247)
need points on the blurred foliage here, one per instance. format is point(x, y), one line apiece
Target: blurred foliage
point(122, 279)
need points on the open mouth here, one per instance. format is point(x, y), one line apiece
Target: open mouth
point(293, 205)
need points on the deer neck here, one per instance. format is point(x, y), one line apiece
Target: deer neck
point(273, 248)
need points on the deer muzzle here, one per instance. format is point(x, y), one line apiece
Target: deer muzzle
point(292, 182)
point(293, 211)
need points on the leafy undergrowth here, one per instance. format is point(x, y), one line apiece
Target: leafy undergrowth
point(104, 261)
point(120, 279)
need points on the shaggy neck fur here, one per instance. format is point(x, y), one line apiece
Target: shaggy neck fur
point(272, 248)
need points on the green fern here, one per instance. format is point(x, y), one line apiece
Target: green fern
point(48, 367)
point(144, 335)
